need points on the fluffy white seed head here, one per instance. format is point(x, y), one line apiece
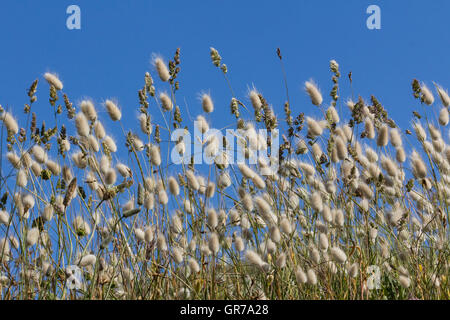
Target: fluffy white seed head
point(26, 160)
point(389, 165)
point(202, 184)
point(4, 249)
point(285, 226)
point(87, 260)
point(155, 155)
point(316, 201)
point(166, 102)
point(79, 160)
point(161, 242)
point(193, 265)
point(224, 180)
point(174, 188)
point(313, 92)
point(274, 234)
point(161, 68)
point(418, 166)
point(110, 176)
point(383, 137)
point(420, 131)
point(443, 94)
point(113, 110)
point(14, 159)
point(109, 142)
point(281, 261)
point(32, 237)
point(123, 170)
point(148, 234)
point(338, 255)
point(265, 210)
point(327, 214)
point(353, 270)
point(427, 96)
point(212, 218)
point(10, 123)
point(400, 154)
point(188, 207)
point(339, 218)
point(140, 234)
point(443, 116)
point(323, 242)
point(213, 243)
point(180, 147)
point(145, 124)
point(246, 171)
point(396, 139)
point(87, 107)
point(259, 182)
point(314, 255)
point(255, 100)
point(435, 133)
point(371, 155)
point(22, 178)
point(82, 125)
point(129, 205)
point(28, 201)
point(254, 258)
point(192, 180)
point(207, 103)
point(54, 167)
point(333, 114)
point(177, 224)
point(65, 145)
point(105, 164)
point(81, 227)
point(137, 143)
point(348, 132)
point(210, 189)
point(314, 128)
point(47, 214)
point(177, 254)
point(300, 276)
point(53, 80)
point(239, 244)
point(99, 130)
point(350, 104)
point(311, 276)
point(404, 281)
point(4, 217)
point(369, 128)
point(202, 124)
point(341, 148)
point(93, 143)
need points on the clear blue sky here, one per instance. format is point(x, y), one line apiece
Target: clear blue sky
point(110, 54)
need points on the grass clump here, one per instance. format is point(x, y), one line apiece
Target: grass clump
point(356, 209)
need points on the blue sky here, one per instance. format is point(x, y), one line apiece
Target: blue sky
point(110, 54)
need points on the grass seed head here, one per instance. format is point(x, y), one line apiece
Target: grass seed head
point(166, 102)
point(113, 110)
point(427, 96)
point(88, 108)
point(313, 92)
point(32, 237)
point(53, 80)
point(161, 68)
point(207, 103)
